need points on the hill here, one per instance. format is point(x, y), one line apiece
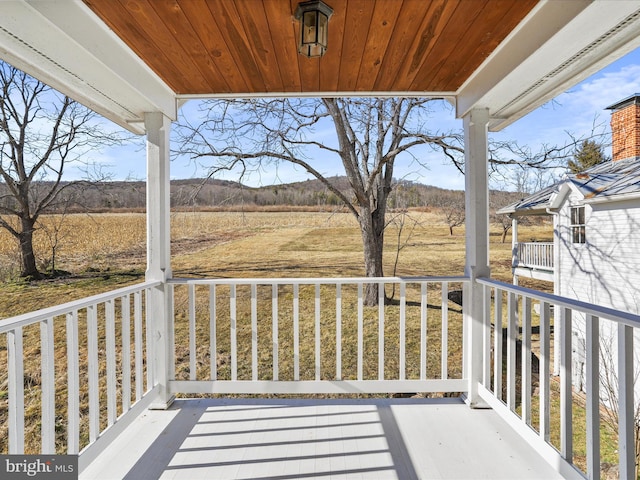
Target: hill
point(224, 194)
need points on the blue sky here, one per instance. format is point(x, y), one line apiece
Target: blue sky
point(577, 112)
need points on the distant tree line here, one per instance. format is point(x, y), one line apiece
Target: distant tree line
point(210, 193)
point(201, 193)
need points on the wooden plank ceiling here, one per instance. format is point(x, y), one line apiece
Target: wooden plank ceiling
point(201, 47)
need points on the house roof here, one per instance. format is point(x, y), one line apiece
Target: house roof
point(124, 58)
point(608, 181)
point(630, 100)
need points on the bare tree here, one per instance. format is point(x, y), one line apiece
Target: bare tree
point(41, 132)
point(368, 135)
point(401, 220)
point(498, 199)
point(609, 388)
point(451, 205)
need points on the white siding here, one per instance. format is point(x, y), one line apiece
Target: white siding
point(605, 270)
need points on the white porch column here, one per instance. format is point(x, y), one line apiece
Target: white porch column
point(159, 307)
point(158, 215)
point(477, 243)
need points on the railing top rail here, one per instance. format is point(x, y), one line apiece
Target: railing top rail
point(23, 320)
point(313, 281)
point(535, 243)
point(626, 318)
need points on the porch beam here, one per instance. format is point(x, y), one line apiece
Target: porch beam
point(477, 242)
point(559, 44)
point(66, 46)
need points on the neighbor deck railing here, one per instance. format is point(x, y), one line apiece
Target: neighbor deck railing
point(81, 367)
point(533, 255)
point(509, 389)
point(316, 335)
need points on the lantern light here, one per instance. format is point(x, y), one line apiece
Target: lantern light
point(314, 27)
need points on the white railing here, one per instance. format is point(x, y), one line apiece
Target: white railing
point(534, 255)
point(510, 391)
point(80, 368)
point(316, 335)
point(90, 364)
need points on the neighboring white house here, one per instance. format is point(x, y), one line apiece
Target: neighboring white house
point(595, 255)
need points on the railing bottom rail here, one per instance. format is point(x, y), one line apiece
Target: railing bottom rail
point(327, 387)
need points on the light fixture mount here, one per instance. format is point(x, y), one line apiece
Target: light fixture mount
point(314, 27)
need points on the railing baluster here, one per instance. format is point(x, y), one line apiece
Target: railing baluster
point(47, 365)
point(526, 360)
point(15, 365)
point(338, 331)
point(593, 396)
point(137, 334)
point(110, 345)
point(497, 344)
point(192, 331)
point(512, 332)
point(148, 337)
point(254, 332)
point(125, 307)
point(73, 384)
point(317, 331)
point(233, 335)
point(296, 331)
point(423, 330)
point(171, 327)
point(213, 354)
point(360, 330)
point(274, 318)
point(557, 339)
point(444, 353)
point(486, 332)
point(566, 397)
point(545, 363)
point(94, 387)
point(403, 302)
point(381, 331)
point(626, 419)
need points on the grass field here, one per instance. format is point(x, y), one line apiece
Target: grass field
point(106, 251)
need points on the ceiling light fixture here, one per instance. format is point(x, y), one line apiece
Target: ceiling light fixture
point(314, 27)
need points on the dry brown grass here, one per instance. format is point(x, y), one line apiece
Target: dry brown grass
point(286, 240)
point(106, 251)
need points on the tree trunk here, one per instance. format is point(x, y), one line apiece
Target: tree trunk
point(27, 257)
point(372, 230)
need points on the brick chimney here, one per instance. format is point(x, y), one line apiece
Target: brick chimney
point(625, 128)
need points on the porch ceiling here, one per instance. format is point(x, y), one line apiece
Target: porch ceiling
point(250, 47)
point(127, 57)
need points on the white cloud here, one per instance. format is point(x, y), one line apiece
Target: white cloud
point(604, 89)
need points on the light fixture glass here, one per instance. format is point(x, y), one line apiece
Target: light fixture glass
point(314, 27)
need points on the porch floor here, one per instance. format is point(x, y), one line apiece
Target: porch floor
point(280, 439)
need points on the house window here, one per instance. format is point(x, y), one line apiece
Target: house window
point(577, 225)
